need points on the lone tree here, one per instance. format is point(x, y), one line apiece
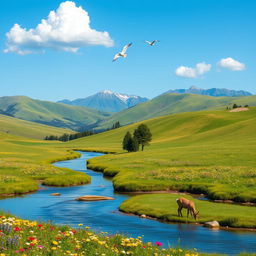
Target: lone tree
point(143, 135)
point(130, 143)
point(127, 137)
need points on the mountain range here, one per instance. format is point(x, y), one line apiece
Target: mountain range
point(107, 101)
point(215, 92)
point(131, 108)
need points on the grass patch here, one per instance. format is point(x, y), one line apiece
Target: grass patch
point(164, 206)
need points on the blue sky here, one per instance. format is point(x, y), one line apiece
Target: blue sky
point(190, 32)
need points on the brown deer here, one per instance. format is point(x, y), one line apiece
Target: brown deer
point(187, 204)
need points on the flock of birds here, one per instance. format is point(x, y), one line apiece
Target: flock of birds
point(123, 52)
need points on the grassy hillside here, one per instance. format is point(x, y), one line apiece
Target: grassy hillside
point(15, 126)
point(175, 103)
point(50, 113)
point(211, 152)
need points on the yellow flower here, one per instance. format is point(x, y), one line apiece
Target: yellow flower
point(80, 224)
point(55, 242)
point(54, 248)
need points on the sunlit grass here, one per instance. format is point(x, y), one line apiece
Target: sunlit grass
point(164, 206)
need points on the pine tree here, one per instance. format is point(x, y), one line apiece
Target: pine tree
point(127, 137)
point(130, 143)
point(143, 135)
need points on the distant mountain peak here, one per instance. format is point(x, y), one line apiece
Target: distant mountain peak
point(193, 87)
point(108, 100)
point(106, 92)
point(215, 92)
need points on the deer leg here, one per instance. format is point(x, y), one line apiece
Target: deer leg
point(188, 212)
point(179, 211)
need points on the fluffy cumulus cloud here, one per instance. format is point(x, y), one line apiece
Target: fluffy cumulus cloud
point(67, 29)
point(200, 69)
point(231, 64)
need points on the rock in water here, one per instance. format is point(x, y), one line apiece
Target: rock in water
point(94, 198)
point(55, 194)
point(212, 224)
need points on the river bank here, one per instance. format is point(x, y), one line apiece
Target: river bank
point(104, 215)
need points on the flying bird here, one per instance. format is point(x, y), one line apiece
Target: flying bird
point(152, 43)
point(122, 53)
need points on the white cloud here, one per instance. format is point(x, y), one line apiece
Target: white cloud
point(67, 29)
point(200, 69)
point(231, 64)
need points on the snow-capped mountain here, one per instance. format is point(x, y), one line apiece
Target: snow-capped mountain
point(107, 101)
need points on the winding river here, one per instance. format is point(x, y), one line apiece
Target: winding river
point(104, 215)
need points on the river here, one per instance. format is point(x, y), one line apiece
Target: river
point(104, 215)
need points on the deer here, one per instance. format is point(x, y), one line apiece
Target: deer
point(187, 204)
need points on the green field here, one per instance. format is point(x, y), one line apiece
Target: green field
point(174, 103)
point(210, 152)
point(15, 126)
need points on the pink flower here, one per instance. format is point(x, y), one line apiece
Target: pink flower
point(159, 244)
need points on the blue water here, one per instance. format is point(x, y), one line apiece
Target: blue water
point(104, 215)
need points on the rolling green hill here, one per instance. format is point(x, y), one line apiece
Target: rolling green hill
point(15, 126)
point(174, 103)
point(50, 113)
point(210, 152)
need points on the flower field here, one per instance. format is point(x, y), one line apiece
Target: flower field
point(23, 237)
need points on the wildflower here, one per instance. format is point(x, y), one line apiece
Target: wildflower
point(54, 248)
point(159, 244)
point(16, 229)
point(55, 242)
point(31, 238)
point(80, 224)
point(39, 225)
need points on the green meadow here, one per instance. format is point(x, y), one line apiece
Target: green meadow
point(25, 162)
point(209, 152)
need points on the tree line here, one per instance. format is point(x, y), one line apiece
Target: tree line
point(141, 136)
point(234, 106)
point(68, 137)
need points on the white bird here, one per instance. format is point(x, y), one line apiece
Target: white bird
point(152, 43)
point(123, 52)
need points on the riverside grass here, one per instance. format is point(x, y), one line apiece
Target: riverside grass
point(164, 207)
point(210, 152)
point(24, 162)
